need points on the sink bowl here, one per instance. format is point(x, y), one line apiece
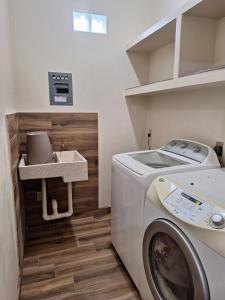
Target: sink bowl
point(70, 165)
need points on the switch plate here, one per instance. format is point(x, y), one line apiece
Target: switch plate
point(219, 144)
point(60, 88)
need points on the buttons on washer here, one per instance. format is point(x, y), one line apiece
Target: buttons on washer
point(183, 145)
point(173, 143)
point(161, 179)
point(217, 221)
point(196, 149)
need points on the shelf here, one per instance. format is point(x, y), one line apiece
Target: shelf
point(155, 37)
point(207, 79)
point(161, 33)
point(202, 43)
point(152, 53)
point(186, 50)
point(213, 9)
point(153, 58)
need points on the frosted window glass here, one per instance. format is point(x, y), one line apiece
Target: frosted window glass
point(98, 24)
point(89, 22)
point(81, 21)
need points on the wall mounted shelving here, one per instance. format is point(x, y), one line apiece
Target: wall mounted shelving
point(153, 56)
point(183, 51)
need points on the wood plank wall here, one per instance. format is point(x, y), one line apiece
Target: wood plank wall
point(67, 131)
point(14, 144)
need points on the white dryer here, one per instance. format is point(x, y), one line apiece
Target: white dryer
point(184, 237)
point(132, 174)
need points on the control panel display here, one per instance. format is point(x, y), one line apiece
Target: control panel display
point(188, 206)
point(60, 88)
point(193, 200)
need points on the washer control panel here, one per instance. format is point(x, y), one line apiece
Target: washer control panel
point(189, 149)
point(188, 206)
point(187, 203)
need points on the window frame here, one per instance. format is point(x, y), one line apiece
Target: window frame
point(90, 17)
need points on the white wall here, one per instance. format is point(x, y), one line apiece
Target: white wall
point(8, 247)
point(197, 115)
point(44, 41)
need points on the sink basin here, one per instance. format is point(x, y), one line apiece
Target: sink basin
point(70, 165)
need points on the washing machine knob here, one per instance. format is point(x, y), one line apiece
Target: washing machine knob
point(218, 221)
point(183, 145)
point(173, 143)
point(196, 149)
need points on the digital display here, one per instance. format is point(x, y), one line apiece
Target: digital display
point(61, 90)
point(186, 205)
point(193, 200)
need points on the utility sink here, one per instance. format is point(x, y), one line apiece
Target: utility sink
point(70, 165)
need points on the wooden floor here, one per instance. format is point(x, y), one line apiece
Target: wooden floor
point(74, 260)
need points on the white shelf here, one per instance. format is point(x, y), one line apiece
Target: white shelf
point(207, 79)
point(213, 9)
point(153, 57)
point(155, 37)
point(160, 33)
point(202, 42)
point(169, 55)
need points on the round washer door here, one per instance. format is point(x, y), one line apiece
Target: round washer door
point(172, 266)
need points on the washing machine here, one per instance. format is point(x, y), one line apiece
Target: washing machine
point(183, 237)
point(132, 174)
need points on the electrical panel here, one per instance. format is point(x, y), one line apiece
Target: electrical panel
point(60, 88)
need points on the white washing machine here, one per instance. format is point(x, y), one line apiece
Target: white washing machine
point(184, 237)
point(132, 174)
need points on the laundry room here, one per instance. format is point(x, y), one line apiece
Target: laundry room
point(112, 132)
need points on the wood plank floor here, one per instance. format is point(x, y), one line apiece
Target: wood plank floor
point(74, 259)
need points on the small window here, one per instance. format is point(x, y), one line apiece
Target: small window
point(89, 22)
point(81, 22)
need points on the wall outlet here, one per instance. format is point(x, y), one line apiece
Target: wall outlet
point(149, 133)
point(220, 144)
point(39, 196)
point(219, 148)
point(149, 136)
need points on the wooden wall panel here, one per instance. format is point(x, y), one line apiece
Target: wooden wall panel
point(67, 131)
point(14, 141)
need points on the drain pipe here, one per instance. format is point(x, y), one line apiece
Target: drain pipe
point(56, 214)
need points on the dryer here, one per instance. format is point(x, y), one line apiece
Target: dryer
point(183, 237)
point(132, 174)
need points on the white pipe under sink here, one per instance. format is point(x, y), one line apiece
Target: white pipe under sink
point(71, 166)
point(55, 214)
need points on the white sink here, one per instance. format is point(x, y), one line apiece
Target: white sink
point(70, 165)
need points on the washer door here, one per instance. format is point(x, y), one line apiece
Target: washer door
point(172, 266)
